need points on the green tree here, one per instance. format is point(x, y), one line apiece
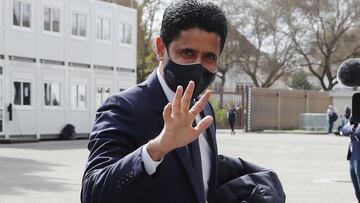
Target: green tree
point(220, 113)
point(146, 57)
point(299, 81)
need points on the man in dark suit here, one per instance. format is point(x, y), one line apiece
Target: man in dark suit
point(156, 142)
point(352, 130)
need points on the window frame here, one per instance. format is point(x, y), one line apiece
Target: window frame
point(103, 87)
point(78, 36)
point(216, 86)
point(1, 16)
point(61, 100)
point(123, 41)
point(2, 107)
point(128, 34)
point(51, 31)
point(21, 27)
point(87, 103)
point(22, 106)
point(102, 18)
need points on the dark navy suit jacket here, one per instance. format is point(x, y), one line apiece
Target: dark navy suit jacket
point(115, 172)
point(354, 154)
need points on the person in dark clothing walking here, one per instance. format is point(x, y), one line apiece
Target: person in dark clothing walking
point(231, 118)
point(347, 112)
point(331, 117)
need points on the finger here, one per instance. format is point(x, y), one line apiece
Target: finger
point(186, 99)
point(176, 106)
point(199, 105)
point(203, 124)
point(167, 112)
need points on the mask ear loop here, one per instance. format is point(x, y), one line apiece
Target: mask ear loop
point(168, 53)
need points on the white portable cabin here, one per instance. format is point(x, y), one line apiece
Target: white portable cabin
point(59, 60)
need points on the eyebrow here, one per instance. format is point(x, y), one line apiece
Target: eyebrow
point(182, 49)
point(212, 54)
point(196, 51)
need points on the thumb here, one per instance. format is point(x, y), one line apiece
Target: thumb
point(204, 124)
point(167, 112)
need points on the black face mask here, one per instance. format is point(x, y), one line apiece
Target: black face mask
point(177, 74)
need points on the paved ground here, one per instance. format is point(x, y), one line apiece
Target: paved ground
point(312, 167)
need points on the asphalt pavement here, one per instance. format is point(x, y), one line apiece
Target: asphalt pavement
point(312, 167)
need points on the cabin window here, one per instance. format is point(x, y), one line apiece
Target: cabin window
point(125, 33)
point(78, 96)
point(52, 93)
point(21, 14)
point(51, 19)
point(22, 93)
point(103, 28)
point(102, 93)
point(78, 24)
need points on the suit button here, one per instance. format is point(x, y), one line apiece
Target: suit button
point(131, 174)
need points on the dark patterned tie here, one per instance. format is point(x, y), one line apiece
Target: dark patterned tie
point(195, 157)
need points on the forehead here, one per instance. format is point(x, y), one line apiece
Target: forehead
point(197, 39)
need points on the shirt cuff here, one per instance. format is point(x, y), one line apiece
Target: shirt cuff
point(149, 164)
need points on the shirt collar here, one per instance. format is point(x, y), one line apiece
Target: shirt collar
point(168, 92)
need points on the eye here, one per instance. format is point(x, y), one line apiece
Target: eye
point(187, 52)
point(210, 57)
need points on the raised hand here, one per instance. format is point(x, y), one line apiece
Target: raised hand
point(178, 119)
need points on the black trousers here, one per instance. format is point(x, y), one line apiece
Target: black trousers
point(232, 125)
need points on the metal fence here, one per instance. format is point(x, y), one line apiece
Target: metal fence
point(261, 108)
point(225, 98)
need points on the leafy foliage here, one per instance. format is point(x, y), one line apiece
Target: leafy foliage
point(299, 81)
point(220, 114)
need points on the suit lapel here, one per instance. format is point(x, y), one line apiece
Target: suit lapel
point(157, 95)
point(183, 155)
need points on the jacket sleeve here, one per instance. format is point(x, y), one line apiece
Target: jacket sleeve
point(230, 168)
point(114, 167)
point(241, 181)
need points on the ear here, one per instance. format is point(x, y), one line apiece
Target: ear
point(160, 48)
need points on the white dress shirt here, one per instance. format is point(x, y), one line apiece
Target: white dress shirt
point(205, 150)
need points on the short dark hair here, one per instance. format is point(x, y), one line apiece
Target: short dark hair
point(186, 14)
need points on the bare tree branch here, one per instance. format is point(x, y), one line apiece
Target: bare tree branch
point(324, 34)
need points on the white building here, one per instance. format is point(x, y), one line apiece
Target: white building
point(59, 60)
point(236, 78)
